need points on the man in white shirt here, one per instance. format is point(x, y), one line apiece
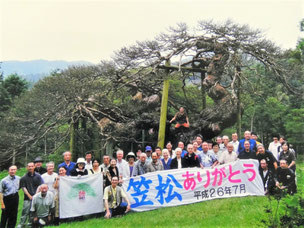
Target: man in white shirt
point(88, 159)
point(50, 176)
point(228, 155)
point(273, 147)
point(121, 164)
point(235, 143)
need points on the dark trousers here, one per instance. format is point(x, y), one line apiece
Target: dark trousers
point(9, 214)
point(120, 210)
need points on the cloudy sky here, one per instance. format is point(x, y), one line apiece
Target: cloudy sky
point(92, 30)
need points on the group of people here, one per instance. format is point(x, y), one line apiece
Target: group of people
point(40, 185)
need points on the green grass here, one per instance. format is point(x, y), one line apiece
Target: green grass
point(232, 212)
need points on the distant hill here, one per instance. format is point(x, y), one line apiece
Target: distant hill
point(36, 69)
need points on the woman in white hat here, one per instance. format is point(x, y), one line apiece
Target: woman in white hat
point(79, 169)
point(131, 163)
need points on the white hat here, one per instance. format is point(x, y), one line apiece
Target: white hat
point(81, 160)
point(130, 154)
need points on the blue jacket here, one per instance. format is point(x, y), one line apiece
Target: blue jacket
point(252, 145)
point(166, 166)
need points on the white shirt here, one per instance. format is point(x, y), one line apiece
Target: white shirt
point(235, 146)
point(49, 180)
point(227, 157)
point(179, 163)
point(273, 148)
point(89, 165)
point(122, 167)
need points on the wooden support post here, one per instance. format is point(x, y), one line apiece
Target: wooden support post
point(239, 109)
point(163, 111)
point(203, 90)
point(72, 141)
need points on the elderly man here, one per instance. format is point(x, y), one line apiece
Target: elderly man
point(38, 166)
point(106, 163)
point(247, 153)
point(43, 207)
point(68, 164)
point(225, 143)
point(9, 198)
point(268, 157)
point(247, 137)
point(50, 176)
point(235, 143)
point(141, 165)
point(286, 178)
point(113, 196)
point(121, 164)
point(155, 165)
point(29, 184)
point(228, 156)
point(207, 158)
point(177, 162)
point(191, 159)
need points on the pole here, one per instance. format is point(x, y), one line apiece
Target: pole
point(163, 111)
point(203, 89)
point(239, 110)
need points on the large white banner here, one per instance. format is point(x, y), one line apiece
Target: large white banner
point(80, 195)
point(184, 186)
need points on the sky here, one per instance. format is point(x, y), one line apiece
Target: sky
point(91, 30)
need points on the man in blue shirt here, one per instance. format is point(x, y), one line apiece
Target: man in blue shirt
point(207, 158)
point(247, 137)
point(68, 164)
point(9, 198)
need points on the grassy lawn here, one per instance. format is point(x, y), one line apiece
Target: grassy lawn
point(233, 212)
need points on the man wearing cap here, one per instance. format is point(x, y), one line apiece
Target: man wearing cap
point(29, 184)
point(68, 164)
point(43, 206)
point(141, 165)
point(9, 198)
point(155, 165)
point(148, 151)
point(131, 164)
point(38, 166)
